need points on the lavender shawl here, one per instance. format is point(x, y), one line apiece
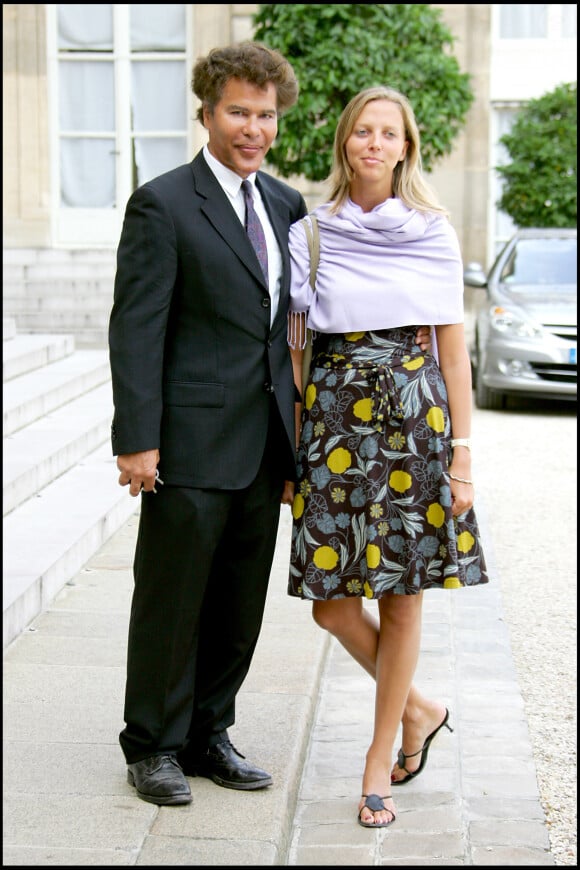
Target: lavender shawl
point(392, 266)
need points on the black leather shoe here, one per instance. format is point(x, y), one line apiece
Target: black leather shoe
point(159, 780)
point(223, 763)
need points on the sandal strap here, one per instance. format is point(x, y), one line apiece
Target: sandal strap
point(402, 758)
point(374, 803)
point(387, 797)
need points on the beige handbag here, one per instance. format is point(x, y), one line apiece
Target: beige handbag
point(313, 239)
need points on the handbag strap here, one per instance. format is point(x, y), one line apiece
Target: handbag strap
point(313, 239)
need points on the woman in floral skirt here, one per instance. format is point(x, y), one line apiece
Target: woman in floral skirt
point(383, 504)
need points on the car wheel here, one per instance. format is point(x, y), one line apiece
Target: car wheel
point(485, 398)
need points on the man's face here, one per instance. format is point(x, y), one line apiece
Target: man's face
point(243, 126)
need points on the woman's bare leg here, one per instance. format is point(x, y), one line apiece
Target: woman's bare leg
point(358, 631)
point(397, 656)
point(388, 650)
point(352, 625)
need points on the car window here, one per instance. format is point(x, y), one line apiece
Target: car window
point(541, 261)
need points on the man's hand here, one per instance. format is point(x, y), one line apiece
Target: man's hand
point(423, 338)
point(288, 492)
point(139, 470)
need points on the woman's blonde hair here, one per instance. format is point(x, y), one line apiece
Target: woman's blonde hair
point(409, 185)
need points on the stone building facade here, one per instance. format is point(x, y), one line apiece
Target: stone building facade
point(37, 254)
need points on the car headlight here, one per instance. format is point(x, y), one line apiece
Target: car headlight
point(509, 320)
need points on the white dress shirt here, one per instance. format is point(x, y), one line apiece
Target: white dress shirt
point(231, 184)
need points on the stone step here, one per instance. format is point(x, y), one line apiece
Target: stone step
point(36, 393)
point(51, 536)
point(60, 291)
point(27, 352)
point(38, 454)
point(54, 272)
point(8, 328)
point(77, 322)
point(92, 337)
point(62, 500)
point(70, 257)
point(44, 295)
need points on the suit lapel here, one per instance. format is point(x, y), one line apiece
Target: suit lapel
point(221, 215)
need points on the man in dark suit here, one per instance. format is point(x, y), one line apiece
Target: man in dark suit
point(203, 424)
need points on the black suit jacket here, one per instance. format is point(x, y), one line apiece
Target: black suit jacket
point(194, 360)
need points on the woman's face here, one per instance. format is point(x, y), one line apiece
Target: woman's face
point(377, 142)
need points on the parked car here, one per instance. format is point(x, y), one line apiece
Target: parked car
point(525, 322)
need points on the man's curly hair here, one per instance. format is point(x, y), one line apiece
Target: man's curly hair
point(249, 61)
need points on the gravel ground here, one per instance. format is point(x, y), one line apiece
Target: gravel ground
point(525, 469)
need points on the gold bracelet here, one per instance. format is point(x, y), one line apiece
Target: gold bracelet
point(460, 479)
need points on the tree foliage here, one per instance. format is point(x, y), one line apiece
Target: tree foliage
point(339, 49)
point(540, 182)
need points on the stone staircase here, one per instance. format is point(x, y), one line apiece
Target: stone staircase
point(61, 499)
point(60, 291)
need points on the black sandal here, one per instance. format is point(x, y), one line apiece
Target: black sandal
point(374, 803)
point(402, 758)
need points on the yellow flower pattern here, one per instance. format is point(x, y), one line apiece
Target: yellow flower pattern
point(436, 419)
point(309, 396)
point(363, 409)
point(435, 515)
point(397, 441)
point(297, 506)
point(339, 460)
point(414, 364)
point(400, 481)
point(465, 542)
point(373, 555)
point(325, 557)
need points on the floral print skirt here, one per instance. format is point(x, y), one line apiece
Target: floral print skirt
point(372, 505)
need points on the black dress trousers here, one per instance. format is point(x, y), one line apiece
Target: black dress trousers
point(202, 564)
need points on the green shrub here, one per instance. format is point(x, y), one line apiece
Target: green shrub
point(339, 49)
point(540, 182)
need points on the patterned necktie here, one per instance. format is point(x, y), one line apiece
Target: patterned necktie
point(255, 230)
